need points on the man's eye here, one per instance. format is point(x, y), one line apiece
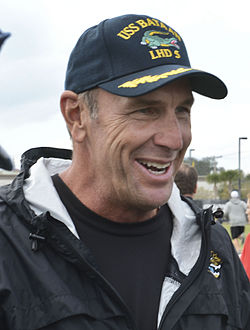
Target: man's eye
point(148, 111)
point(183, 111)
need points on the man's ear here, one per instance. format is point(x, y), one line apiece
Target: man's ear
point(74, 115)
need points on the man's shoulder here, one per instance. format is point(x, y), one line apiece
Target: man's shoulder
point(195, 205)
point(10, 200)
point(222, 248)
point(218, 232)
point(221, 240)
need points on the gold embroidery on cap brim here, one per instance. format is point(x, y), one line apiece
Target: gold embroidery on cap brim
point(150, 79)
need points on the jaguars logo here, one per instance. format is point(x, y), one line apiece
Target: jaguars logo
point(215, 265)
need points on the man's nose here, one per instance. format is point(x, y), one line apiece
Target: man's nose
point(169, 133)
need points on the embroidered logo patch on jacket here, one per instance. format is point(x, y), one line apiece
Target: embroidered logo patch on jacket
point(215, 265)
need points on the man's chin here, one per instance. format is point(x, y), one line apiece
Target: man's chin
point(154, 203)
point(148, 200)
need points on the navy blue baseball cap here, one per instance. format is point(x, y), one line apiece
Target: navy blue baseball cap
point(132, 55)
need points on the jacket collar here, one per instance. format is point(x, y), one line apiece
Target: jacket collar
point(42, 197)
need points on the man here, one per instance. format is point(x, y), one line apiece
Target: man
point(3, 37)
point(186, 180)
point(245, 256)
point(112, 245)
point(5, 161)
point(235, 212)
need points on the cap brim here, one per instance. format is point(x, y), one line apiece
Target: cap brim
point(146, 81)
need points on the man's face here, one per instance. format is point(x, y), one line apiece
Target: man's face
point(136, 145)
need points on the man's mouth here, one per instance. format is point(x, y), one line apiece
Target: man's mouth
point(155, 168)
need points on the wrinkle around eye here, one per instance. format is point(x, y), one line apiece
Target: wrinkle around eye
point(147, 113)
point(183, 112)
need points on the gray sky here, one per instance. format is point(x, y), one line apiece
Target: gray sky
point(33, 63)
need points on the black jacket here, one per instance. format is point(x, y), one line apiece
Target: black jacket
point(48, 278)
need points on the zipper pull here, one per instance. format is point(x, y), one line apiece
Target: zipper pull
point(35, 239)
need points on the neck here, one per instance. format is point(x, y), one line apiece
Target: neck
point(99, 203)
point(188, 195)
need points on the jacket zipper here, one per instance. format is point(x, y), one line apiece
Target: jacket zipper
point(194, 275)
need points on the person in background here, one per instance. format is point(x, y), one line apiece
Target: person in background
point(245, 256)
point(186, 180)
point(5, 161)
point(248, 207)
point(100, 238)
point(235, 212)
point(3, 37)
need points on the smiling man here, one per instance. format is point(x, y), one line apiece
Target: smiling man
point(145, 141)
point(100, 238)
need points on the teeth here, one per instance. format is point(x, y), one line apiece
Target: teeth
point(156, 172)
point(155, 168)
point(157, 165)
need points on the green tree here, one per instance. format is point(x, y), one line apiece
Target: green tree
point(247, 177)
point(214, 178)
point(203, 166)
point(245, 187)
point(223, 191)
point(229, 176)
